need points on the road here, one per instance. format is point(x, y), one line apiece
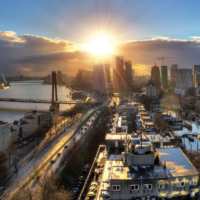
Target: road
point(18, 179)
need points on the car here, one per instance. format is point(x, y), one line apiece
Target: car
point(80, 177)
point(91, 194)
point(66, 146)
point(85, 129)
point(93, 188)
point(58, 154)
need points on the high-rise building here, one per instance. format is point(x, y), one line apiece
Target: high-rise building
point(195, 70)
point(120, 73)
point(184, 78)
point(173, 69)
point(155, 76)
point(128, 75)
point(128, 68)
point(114, 79)
point(133, 73)
point(164, 76)
point(101, 78)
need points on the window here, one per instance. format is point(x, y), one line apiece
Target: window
point(134, 187)
point(116, 187)
point(193, 183)
point(162, 186)
point(180, 184)
point(147, 186)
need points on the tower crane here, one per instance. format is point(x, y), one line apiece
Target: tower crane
point(163, 58)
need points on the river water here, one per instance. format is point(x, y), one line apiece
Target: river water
point(190, 144)
point(10, 111)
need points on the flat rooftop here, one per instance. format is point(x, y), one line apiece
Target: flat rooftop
point(138, 172)
point(118, 136)
point(157, 138)
point(177, 164)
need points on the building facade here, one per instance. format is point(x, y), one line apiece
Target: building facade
point(155, 76)
point(183, 78)
point(151, 90)
point(101, 78)
point(164, 76)
point(173, 69)
point(5, 139)
point(195, 70)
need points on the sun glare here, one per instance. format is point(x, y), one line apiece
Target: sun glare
point(100, 46)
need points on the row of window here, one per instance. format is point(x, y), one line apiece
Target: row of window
point(149, 186)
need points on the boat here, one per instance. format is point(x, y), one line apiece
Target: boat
point(190, 137)
point(178, 138)
point(176, 127)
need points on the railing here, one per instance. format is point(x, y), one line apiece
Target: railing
point(89, 175)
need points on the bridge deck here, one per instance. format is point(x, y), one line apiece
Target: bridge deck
point(44, 101)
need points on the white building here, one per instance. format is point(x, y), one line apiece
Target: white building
point(4, 136)
point(27, 126)
point(151, 90)
point(184, 78)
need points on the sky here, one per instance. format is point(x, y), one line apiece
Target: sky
point(39, 36)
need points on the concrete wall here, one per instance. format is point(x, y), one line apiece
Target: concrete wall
point(170, 187)
point(5, 138)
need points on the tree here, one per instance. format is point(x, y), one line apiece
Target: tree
point(3, 165)
point(47, 188)
point(11, 149)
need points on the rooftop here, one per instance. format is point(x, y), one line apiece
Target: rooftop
point(177, 164)
point(117, 136)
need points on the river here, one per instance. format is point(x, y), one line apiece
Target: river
point(195, 129)
point(10, 111)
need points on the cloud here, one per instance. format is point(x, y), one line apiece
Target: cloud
point(146, 52)
point(195, 37)
point(38, 56)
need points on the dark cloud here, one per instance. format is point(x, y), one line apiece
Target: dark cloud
point(38, 56)
point(145, 53)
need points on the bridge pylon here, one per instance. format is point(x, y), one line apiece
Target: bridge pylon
point(54, 106)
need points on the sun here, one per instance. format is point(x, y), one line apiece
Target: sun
point(100, 46)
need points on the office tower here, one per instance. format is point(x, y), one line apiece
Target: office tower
point(114, 79)
point(101, 78)
point(128, 68)
point(184, 78)
point(59, 75)
point(155, 76)
point(120, 73)
point(128, 75)
point(195, 70)
point(133, 73)
point(173, 69)
point(164, 76)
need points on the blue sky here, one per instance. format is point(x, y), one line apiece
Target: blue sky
point(37, 35)
point(122, 20)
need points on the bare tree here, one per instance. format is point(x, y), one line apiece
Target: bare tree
point(48, 188)
point(11, 149)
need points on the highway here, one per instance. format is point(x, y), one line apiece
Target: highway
point(24, 174)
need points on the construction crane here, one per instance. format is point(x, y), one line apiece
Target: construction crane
point(164, 58)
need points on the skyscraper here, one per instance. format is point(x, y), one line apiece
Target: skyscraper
point(128, 75)
point(119, 72)
point(101, 78)
point(173, 69)
point(133, 73)
point(195, 70)
point(184, 78)
point(164, 76)
point(155, 76)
